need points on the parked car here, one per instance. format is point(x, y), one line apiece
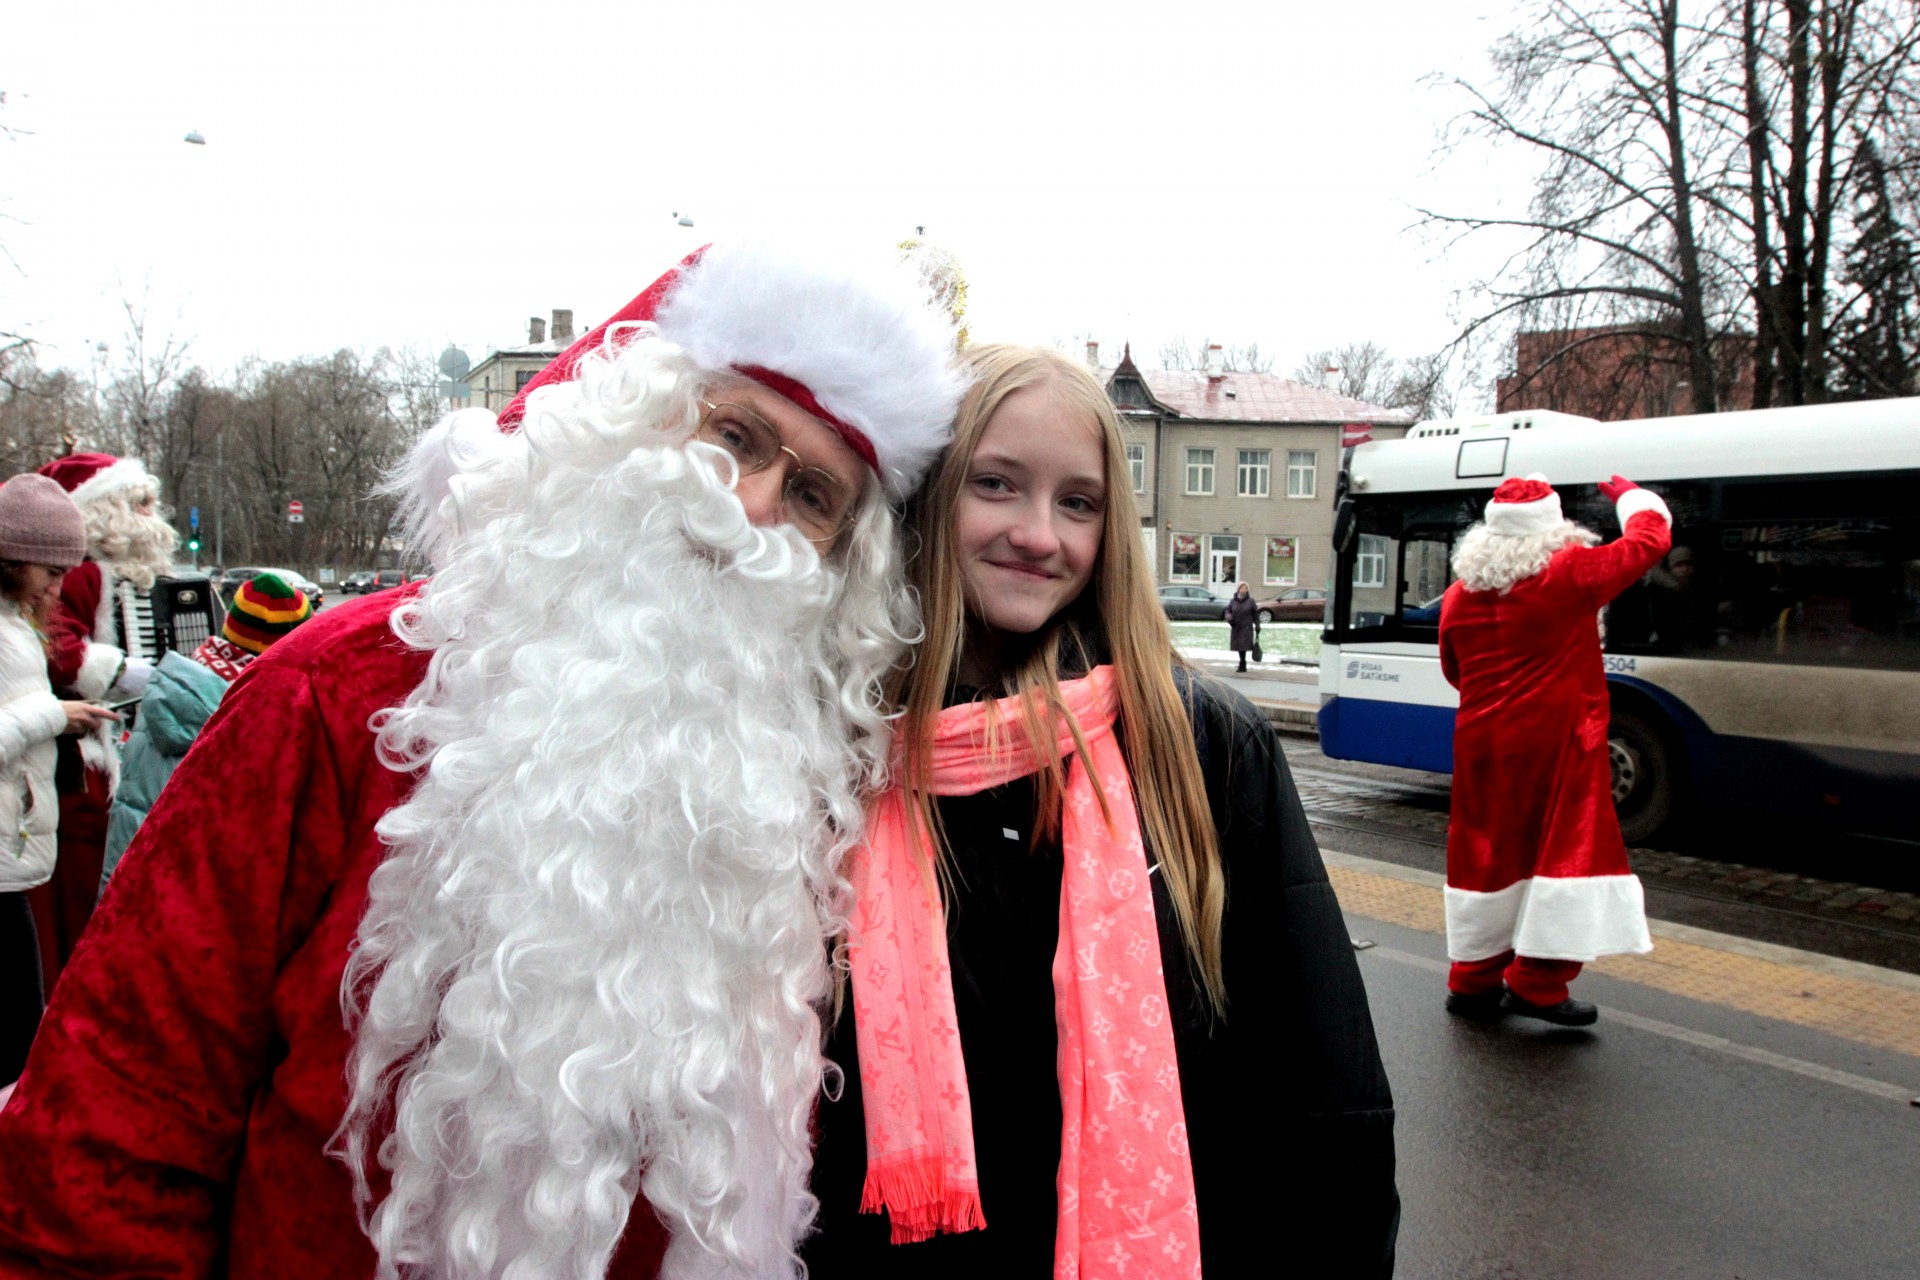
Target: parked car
point(1192, 604)
point(230, 582)
point(356, 583)
point(1302, 604)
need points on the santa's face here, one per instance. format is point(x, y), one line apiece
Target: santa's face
point(805, 443)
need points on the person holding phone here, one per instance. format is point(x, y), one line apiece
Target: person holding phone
point(42, 535)
point(1100, 986)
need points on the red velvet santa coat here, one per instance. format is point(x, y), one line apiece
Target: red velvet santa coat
point(1535, 863)
point(83, 660)
point(191, 1067)
point(82, 654)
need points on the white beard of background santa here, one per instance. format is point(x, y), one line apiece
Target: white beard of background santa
point(1537, 876)
point(594, 962)
point(129, 546)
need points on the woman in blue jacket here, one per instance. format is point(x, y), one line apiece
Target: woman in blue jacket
point(184, 692)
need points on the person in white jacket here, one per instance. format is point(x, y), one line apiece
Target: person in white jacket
point(42, 535)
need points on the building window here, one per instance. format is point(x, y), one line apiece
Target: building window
point(1200, 472)
point(1255, 466)
point(1370, 567)
point(1137, 464)
point(522, 378)
point(1283, 561)
point(1300, 473)
point(1185, 564)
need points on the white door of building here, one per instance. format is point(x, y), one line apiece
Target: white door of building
point(1225, 575)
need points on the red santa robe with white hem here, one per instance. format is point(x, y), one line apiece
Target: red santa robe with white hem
point(175, 1111)
point(1535, 862)
point(84, 660)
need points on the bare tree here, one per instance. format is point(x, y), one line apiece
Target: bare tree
point(1182, 353)
point(16, 347)
point(1613, 240)
point(1694, 160)
point(1422, 385)
point(148, 366)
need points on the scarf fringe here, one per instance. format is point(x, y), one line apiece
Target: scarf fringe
point(919, 1204)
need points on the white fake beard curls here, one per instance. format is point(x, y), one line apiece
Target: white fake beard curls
point(600, 938)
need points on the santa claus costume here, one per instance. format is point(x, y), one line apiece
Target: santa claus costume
point(560, 830)
point(101, 645)
point(1537, 875)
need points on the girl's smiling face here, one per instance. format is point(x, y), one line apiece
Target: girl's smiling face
point(1031, 513)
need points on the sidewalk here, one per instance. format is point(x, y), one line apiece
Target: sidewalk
point(1857, 1002)
point(1287, 694)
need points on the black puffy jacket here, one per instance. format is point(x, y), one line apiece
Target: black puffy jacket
point(1287, 1106)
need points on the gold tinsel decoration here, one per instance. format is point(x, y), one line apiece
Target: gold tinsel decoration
point(945, 278)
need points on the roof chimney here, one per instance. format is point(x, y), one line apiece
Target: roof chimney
point(1093, 353)
point(1216, 362)
point(536, 331)
point(562, 327)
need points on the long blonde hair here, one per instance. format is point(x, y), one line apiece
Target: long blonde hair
point(1119, 610)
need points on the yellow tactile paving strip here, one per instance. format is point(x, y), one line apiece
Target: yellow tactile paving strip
point(1865, 1012)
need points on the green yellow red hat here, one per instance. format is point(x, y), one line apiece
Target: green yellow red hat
point(263, 610)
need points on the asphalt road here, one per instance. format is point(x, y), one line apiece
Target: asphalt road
point(1649, 1146)
point(1685, 1135)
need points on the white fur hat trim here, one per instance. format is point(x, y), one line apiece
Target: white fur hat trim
point(125, 473)
point(867, 342)
point(1520, 519)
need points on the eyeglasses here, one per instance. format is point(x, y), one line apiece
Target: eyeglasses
point(819, 505)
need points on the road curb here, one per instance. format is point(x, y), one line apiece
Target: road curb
point(1290, 715)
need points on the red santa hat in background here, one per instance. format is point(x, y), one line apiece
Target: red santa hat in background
point(88, 477)
point(1521, 508)
point(865, 351)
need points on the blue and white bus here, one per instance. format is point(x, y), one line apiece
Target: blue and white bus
point(1772, 661)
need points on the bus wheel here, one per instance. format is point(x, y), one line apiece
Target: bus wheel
point(1643, 765)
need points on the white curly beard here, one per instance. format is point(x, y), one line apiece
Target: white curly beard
point(134, 547)
point(592, 963)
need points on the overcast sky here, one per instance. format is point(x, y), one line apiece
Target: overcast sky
point(409, 173)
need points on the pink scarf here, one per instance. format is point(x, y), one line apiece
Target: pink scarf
point(1126, 1198)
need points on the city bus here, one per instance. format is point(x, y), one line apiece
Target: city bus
point(1771, 662)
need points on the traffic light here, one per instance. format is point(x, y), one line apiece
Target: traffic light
point(193, 544)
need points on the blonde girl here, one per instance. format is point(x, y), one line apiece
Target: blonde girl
point(1105, 1018)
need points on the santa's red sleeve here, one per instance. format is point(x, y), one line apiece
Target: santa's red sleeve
point(77, 665)
point(119, 1146)
point(1601, 573)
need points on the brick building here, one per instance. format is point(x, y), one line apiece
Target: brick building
point(1617, 373)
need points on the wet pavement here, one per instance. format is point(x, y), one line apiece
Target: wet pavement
point(1747, 1107)
point(1678, 1137)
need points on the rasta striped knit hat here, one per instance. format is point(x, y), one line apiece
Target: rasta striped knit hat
point(264, 610)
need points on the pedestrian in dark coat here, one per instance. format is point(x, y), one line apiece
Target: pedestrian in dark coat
point(1092, 1040)
point(1242, 622)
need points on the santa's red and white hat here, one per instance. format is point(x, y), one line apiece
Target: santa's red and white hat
point(1521, 508)
point(88, 477)
point(864, 350)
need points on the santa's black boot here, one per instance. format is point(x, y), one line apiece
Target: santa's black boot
point(1568, 1013)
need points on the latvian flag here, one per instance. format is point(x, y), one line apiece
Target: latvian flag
point(1355, 433)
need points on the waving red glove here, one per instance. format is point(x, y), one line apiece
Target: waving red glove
point(1615, 487)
